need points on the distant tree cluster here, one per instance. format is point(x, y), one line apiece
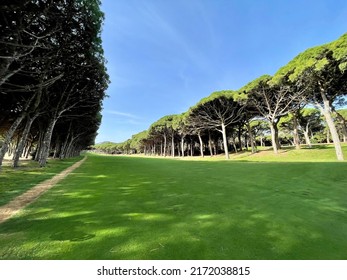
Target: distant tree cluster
point(52, 77)
point(299, 104)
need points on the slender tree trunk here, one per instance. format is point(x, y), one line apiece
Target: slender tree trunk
point(173, 145)
point(47, 143)
point(239, 137)
point(343, 126)
point(334, 135)
point(273, 137)
point(326, 111)
point(201, 145)
point(307, 137)
point(251, 138)
point(23, 140)
point(39, 145)
point(64, 147)
point(276, 137)
point(29, 149)
point(225, 142)
point(210, 143)
point(182, 145)
point(8, 136)
point(296, 132)
point(234, 144)
point(58, 149)
point(328, 134)
point(164, 144)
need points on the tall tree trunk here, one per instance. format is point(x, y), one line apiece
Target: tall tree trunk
point(334, 134)
point(23, 140)
point(273, 137)
point(8, 136)
point(58, 149)
point(47, 143)
point(277, 139)
point(307, 137)
point(239, 137)
point(164, 144)
point(173, 145)
point(296, 132)
point(63, 149)
point(343, 126)
point(182, 145)
point(251, 138)
point(328, 134)
point(201, 145)
point(225, 142)
point(210, 143)
point(326, 111)
point(39, 145)
point(27, 153)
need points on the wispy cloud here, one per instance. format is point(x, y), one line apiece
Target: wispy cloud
point(121, 114)
point(168, 32)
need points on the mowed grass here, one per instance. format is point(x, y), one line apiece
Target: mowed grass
point(115, 207)
point(15, 181)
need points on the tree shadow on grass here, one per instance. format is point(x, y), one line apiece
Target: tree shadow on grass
point(185, 210)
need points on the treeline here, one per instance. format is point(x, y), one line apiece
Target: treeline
point(299, 104)
point(52, 77)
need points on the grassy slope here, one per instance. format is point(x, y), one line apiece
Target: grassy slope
point(138, 208)
point(14, 182)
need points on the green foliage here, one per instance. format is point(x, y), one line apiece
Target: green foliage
point(255, 83)
point(314, 57)
point(227, 94)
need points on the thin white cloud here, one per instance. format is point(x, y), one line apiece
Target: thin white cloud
point(157, 21)
point(122, 114)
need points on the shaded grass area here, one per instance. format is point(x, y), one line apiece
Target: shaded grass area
point(14, 182)
point(140, 208)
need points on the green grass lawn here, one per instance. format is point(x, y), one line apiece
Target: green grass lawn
point(14, 182)
point(153, 208)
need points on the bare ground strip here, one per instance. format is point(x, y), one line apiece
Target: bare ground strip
point(23, 200)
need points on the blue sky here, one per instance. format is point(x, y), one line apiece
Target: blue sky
point(165, 55)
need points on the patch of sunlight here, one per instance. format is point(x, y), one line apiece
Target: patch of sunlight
point(63, 215)
point(112, 231)
point(51, 250)
point(282, 241)
point(285, 237)
point(259, 216)
point(130, 188)
point(333, 206)
point(128, 248)
point(147, 216)
point(100, 176)
point(205, 217)
point(78, 194)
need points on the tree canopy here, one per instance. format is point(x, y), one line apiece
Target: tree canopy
point(52, 77)
point(315, 77)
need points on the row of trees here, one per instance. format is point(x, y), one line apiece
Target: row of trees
point(315, 78)
point(52, 77)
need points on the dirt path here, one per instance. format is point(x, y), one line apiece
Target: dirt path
point(11, 208)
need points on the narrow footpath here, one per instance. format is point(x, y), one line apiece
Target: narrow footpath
point(23, 200)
